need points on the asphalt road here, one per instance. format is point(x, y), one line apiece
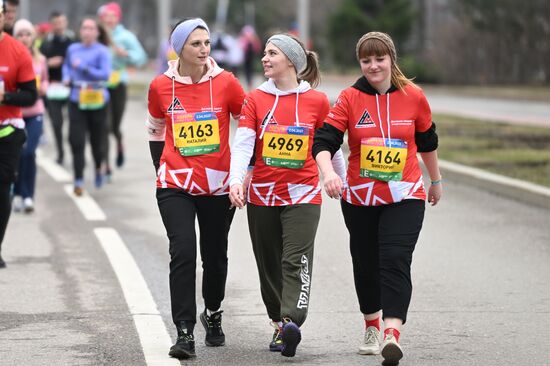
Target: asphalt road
point(480, 276)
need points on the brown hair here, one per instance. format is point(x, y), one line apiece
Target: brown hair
point(103, 36)
point(312, 73)
point(380, 44)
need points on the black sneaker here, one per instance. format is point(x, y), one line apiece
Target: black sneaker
point(185, 344)
point(213, 326)
point(291, 338)
point(2, 263)
point(276, 344)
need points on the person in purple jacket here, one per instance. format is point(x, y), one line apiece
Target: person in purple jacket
point(86, 69)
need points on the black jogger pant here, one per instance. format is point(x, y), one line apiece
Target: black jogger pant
point(382, 241)
point(178, 210)
point(117, 105)
point(283, 240)
point(55, 111)
point(10, 153)
point(80, 124)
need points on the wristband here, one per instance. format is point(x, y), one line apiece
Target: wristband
point(435, 182)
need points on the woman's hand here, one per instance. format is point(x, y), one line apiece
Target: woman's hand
point(333, 184)
point(236, 195)
point(434, 193)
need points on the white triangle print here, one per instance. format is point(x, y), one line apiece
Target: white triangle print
point(196, 190)
point(302, 193)
point(277, 198)
point(174, 174)
point(264, 199)
point(217, 179)
point(417, 186)
point(399, 190)
point(376, 201)
point(368, 186)
point(161, 174)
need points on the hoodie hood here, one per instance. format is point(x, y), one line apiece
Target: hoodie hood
point(172, 72)
point(270, 88)
point(363, 85)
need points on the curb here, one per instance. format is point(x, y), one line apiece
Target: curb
point(519, 190)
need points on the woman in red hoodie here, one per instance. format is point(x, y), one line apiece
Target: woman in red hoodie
point(388, 120)
point(190, 106)
point(284, 196)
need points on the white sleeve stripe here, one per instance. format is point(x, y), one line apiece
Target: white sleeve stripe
point(156, 128)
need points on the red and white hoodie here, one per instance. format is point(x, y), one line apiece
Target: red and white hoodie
point(273, 185)
point(218, 91)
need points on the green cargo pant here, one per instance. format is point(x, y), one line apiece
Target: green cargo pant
point(282, 240)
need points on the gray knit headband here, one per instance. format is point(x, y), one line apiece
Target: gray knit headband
point(292, 49)
point(382, 37)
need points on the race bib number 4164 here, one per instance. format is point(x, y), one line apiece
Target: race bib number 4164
point(383, 159)
point(196, 133)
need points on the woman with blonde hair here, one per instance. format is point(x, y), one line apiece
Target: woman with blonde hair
point(388, 121)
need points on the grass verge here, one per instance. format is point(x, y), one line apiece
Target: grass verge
point(520, 152)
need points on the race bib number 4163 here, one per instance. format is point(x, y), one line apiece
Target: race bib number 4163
point(196, 133)
point(285, 146)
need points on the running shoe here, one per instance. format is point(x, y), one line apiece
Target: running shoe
point(28, 205)
point(78, 187)
point(276, 344)
point(120, 156)
point(391, 350)
point(371, 342)
point(184, 347)
point(291, 338)
point(213, 325)
point(98, 179)
point(17, 204)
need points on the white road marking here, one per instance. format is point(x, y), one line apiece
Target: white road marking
point(86, 204)
point(54, 170)
point(153, 336)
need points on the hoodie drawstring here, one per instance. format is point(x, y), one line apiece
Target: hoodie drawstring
point(211, 95)
point(297, 119)
point(387, 117)
point(172, 109)
point(270, 114)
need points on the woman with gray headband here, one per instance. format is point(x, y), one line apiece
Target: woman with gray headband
point(190, 106)
point(277, 125)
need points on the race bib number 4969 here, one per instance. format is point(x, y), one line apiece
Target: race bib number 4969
point(285, 146)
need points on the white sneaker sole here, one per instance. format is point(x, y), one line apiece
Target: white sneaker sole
point(370, 351)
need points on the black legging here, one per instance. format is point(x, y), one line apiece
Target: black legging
point(83, 122)
point(178, 210)
point(55, 111)
point(382, 241)
point(117, 105)
point(10, 152)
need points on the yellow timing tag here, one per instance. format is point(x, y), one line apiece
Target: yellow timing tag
point(38, 82)
point(383, 159)
point(90, 98)
point(285, 146)
point(196, 133)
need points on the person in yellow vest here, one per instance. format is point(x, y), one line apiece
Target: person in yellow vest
point(33, 116)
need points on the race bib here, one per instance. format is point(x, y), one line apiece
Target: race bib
point(114, 79)
point(285, 146)
point(90, 98)
point(57, 91)
point(196, 133)
point(383, 159)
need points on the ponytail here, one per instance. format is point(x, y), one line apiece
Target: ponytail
point(311, 74)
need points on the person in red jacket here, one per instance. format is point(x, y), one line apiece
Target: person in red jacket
point(388, 121)
point(189, 110)
point(284, 195)
point(17, 89)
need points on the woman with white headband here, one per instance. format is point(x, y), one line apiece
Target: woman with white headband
point(284, 195)
point(188, 123)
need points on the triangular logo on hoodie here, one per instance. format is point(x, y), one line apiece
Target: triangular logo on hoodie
point(272, 120)
point(176, 105)
point(365, 121)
